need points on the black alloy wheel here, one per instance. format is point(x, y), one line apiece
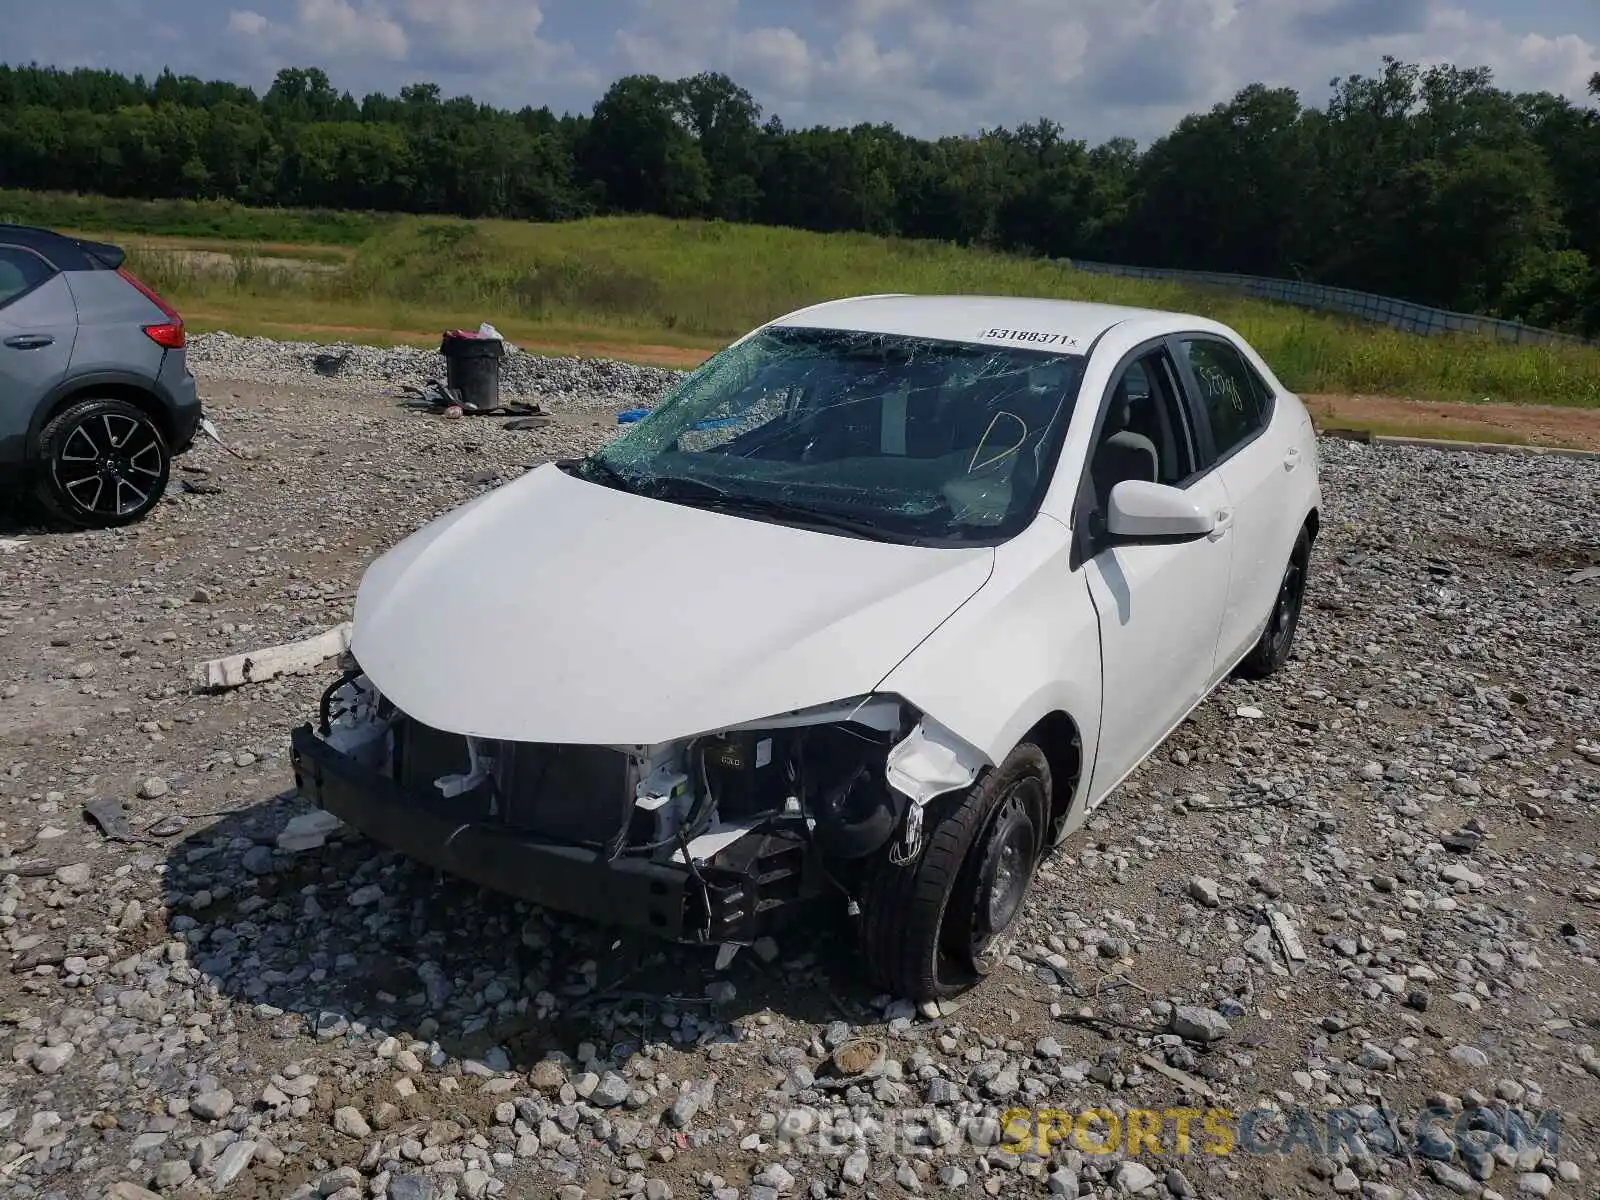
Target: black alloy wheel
point(1276, 643)
point(1286, 610)
point(103, 463)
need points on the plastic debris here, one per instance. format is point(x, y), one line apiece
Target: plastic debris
point(210, 430)
point(308, 831)
point(256, 666)
point(112, 818)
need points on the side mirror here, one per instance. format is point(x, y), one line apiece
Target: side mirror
point(1154, 512)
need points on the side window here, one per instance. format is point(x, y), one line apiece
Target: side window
point(20, 271)
point(1235, 399)
point(1144, 434)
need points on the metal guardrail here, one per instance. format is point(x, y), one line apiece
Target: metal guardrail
point(1383, 310)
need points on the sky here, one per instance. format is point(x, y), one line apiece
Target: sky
point(1101, 68)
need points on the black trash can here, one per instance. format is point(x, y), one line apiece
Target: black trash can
point(472, 367)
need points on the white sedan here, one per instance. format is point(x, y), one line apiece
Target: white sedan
point(875, 606)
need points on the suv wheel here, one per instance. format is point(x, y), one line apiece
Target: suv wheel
point(939, 925)
point(102, 463)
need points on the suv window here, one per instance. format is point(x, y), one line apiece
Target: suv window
point(20, 271)
point(1235, 398)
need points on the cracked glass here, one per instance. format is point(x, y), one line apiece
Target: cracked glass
point(866, 434)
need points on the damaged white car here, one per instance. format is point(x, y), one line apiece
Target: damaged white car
point(876, 606)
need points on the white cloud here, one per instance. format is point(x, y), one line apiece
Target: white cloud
point(1521, 61)
point(778, 55)
point(246, 22)
point(332, 29)
point(674, 38)
point(339, 28)
point(488, 48)
point(1101, 67)
point(476, 28)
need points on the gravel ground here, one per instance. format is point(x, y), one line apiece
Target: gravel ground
point(556, 381)
point(1415, 801)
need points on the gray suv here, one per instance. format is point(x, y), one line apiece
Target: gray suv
point(95, 396)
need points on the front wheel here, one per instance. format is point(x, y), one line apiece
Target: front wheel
point(937, 926)
point(102, 463)
point(1277, 639)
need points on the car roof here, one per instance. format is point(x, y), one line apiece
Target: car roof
point(67, 253)
point(1069, 326)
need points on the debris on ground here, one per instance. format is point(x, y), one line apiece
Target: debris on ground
point(112, 819)
point(168, 826)
point(438, 397)
point(309, 831)
point(1288, 937)
point(258, 666)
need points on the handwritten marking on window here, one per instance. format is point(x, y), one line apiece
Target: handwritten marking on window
point(1218, 385)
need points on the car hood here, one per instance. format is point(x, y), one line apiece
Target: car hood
point(553, 609)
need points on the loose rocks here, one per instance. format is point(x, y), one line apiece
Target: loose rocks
point(1340, 903)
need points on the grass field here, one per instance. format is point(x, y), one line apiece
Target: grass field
point(189, 218)
point(666, 291)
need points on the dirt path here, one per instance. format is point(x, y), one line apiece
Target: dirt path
point(1534, 424)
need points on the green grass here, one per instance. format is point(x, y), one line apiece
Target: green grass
point(300, 252)
point(189, 218)
point(647, 281)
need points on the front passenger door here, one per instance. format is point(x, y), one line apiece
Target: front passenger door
point(1159, 605)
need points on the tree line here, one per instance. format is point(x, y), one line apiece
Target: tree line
point(1430, 185)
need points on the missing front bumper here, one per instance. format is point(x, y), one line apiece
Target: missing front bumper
point(742, 891)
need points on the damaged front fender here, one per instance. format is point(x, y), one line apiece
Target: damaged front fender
point(932, 761)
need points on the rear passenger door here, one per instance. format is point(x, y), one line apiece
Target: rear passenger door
point(1248, 444)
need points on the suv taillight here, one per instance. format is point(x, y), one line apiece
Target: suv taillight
point(169, 333)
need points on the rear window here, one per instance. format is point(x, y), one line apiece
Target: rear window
point(1237, 401)
point(21, 271)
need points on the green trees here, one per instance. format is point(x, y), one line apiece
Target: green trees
point(1427, 184)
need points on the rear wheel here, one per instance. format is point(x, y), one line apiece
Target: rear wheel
point(935, 927)
point(1277, 639)
point(102, 463)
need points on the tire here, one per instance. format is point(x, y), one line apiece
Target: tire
point(101, 463)
point(1277, 639)
point(926, 930)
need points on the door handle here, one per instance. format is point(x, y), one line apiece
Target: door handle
point(1224, 523)
point(1291, 459)
point(30, 341)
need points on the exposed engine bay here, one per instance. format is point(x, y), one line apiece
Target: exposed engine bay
point(754, 818)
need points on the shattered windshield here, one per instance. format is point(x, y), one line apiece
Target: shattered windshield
point(874, 435)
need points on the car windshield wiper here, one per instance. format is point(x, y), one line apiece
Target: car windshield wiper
point(706, 495)
point(600, 471)
point(676, 487)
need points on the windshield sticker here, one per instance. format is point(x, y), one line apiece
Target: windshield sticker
point(1033, 337)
